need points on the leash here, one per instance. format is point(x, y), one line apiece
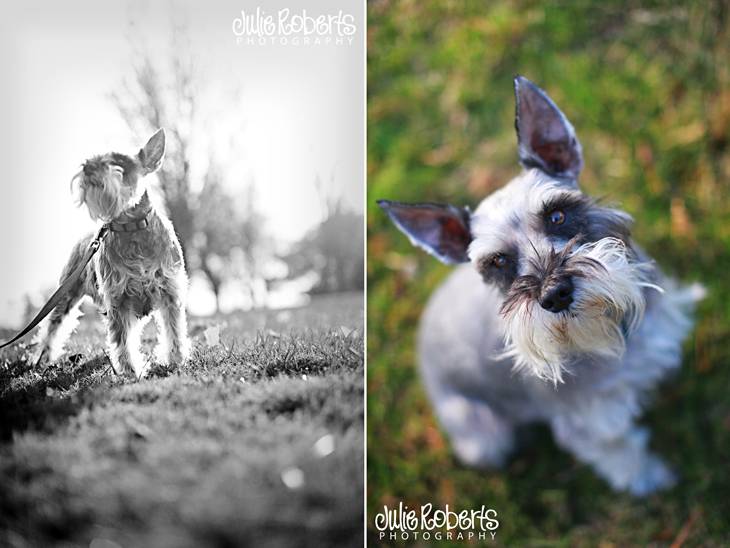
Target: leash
point(67, 284)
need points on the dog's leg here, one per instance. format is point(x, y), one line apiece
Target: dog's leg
point(623, 460)
point(162, 348)
point(174, 346)
point(123, 339)
point(479, 436)
point(457, 330)
point(59, 326)
point(62, 321)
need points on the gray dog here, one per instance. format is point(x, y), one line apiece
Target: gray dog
point(559, 317)
point(137, 271)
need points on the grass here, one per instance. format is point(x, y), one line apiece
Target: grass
point(648, 92)
point(258, 440)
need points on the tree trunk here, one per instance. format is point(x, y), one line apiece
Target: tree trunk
point(217, 293)
point(214, 281)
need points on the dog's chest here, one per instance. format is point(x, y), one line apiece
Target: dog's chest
point(136, 268)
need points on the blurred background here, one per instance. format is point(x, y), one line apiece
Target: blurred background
point(647, 87)
point(263, 174)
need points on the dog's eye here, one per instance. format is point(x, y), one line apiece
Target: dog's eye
point(556, 217)
point(499, 261)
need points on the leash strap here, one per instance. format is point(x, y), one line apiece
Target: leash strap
point(67, 284)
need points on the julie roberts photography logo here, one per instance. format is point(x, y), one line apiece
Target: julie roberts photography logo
point(287, 27)
point(430, 523)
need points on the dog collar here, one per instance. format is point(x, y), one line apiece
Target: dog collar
point(130, 226)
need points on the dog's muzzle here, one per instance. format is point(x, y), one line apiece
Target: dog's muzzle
point(591, 297)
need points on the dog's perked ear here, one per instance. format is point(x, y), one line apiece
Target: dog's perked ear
point(442, 230)
point(150, 157)
point(545, 137)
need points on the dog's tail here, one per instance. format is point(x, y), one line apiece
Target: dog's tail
point(687, 297)
point(681, 303)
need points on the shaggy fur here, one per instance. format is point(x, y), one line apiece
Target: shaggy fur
point(559, 317)
point(134, 273)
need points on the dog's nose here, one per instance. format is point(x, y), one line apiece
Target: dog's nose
point(558, 297)
point(88, 170)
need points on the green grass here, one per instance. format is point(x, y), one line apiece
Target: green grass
point(648, 92)
point(197, 455)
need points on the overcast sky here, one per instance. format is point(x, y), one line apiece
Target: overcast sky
point(300, 110)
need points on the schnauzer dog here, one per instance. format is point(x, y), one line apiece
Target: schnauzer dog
point(138, 269)
point(560, 317)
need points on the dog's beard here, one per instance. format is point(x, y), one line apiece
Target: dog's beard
point(608, 303)
point(105, 197)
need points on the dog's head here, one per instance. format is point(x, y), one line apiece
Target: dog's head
point(570, 282)
point(110, 183)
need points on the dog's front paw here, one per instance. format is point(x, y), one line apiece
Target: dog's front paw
point(654, 476)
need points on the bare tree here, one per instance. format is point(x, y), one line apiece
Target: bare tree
point(216, 234)
point(256, 246)
point(333, 249)
point(220, 236)
point(149, 102)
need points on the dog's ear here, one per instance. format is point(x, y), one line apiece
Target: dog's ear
point(442, 230)
point(150, 157)
point(545, 137)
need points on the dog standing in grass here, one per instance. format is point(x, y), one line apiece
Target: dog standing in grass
point(137, 271)
point(559, 317)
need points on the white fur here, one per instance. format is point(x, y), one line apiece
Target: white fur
point(542, 342)
point(586, 373)
point(56, 343)
point(619, 337)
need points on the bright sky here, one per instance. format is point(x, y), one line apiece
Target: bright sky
point(300, 110)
